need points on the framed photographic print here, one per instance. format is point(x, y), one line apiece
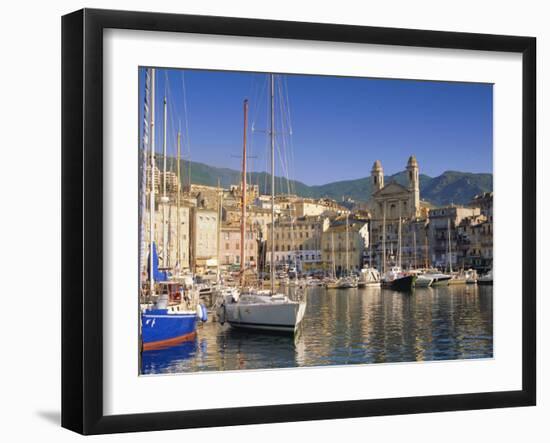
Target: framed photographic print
point(270, 221)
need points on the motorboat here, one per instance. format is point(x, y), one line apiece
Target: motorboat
point(369, 277)
point(486, 279)
point(397, 280)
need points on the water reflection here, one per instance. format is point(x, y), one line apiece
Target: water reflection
point(350, 326)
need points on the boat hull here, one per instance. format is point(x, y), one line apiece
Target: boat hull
point(370, 284)
point(161, 329)
point(401, 284)
point(284, 317)
point(484, 282)
point(423, 282)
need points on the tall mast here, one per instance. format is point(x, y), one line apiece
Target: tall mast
point(144, 161)
point(426, 252)
point(243, 194)
point(178, 228)
point(272, 133)
point(152, 190)
point(332, 254)
point(449, 239)
point(347, 244)
point(414, 247)
point(384, 239)
point(219, 232)
point(399, 242)
point(164, 197)
point(370, 243)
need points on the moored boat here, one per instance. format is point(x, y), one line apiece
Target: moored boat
point(398, 280)
point(486, 279)
point(165, 323)
point(438, 278)
point(259, 309)
point(422, 281)
point(369, 277)
point(169, 308)
point(347, 283)
point(471, 276)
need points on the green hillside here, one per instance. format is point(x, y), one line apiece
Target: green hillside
point(450, 187)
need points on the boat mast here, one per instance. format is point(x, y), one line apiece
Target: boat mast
point(370, 243)
point(347, 245)
point(272, 134)
point(426, 252)
point(449, 249)
point(164, 196)
point(178, 229)
point(384, 239)
point(332, 254)
point(243, 195)
point(399, 243)
point(152, 190)
point(219, 232)
point(414, 247)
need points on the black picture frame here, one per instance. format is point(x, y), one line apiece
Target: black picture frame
point(82, 216)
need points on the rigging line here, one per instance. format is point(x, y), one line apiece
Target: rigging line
point(283, 136)
point(171, 125)
point(284, 150)
point(186, 120)
point(291, 130)
point(288, 129)
point(283, 140)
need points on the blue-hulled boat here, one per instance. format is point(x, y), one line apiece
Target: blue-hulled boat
point(170, 319)
point(169, 309)
point(161, 328)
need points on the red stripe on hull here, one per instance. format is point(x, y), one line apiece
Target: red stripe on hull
point(161, 344)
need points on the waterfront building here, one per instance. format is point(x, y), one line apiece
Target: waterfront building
point(334, 244)
point(308, 207)
point(204, 239)
point(443, 234)
point(475, 235)
point(230, 246)
point(156, 178)
point(171, 182)
point(297, 241)
point(252, 192)
point(205, 196)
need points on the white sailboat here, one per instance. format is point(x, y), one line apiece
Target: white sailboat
point(347, 281)
point(260, 309)
point(332, 281)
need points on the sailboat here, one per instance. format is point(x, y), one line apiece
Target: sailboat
point(395, 278)
point(369, 276)
point(332, 281)
point(259, 309)
point(486, 279)
point(347, 281)
point(169, 310)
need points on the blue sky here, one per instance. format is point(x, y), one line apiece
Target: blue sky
point(340, 125)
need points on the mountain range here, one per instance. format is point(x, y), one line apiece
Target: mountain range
point(451, 187)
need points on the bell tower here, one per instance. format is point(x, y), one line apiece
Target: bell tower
point(377, 174)
point(414, 186)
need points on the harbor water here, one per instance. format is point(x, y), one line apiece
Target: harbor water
point(348, 326)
